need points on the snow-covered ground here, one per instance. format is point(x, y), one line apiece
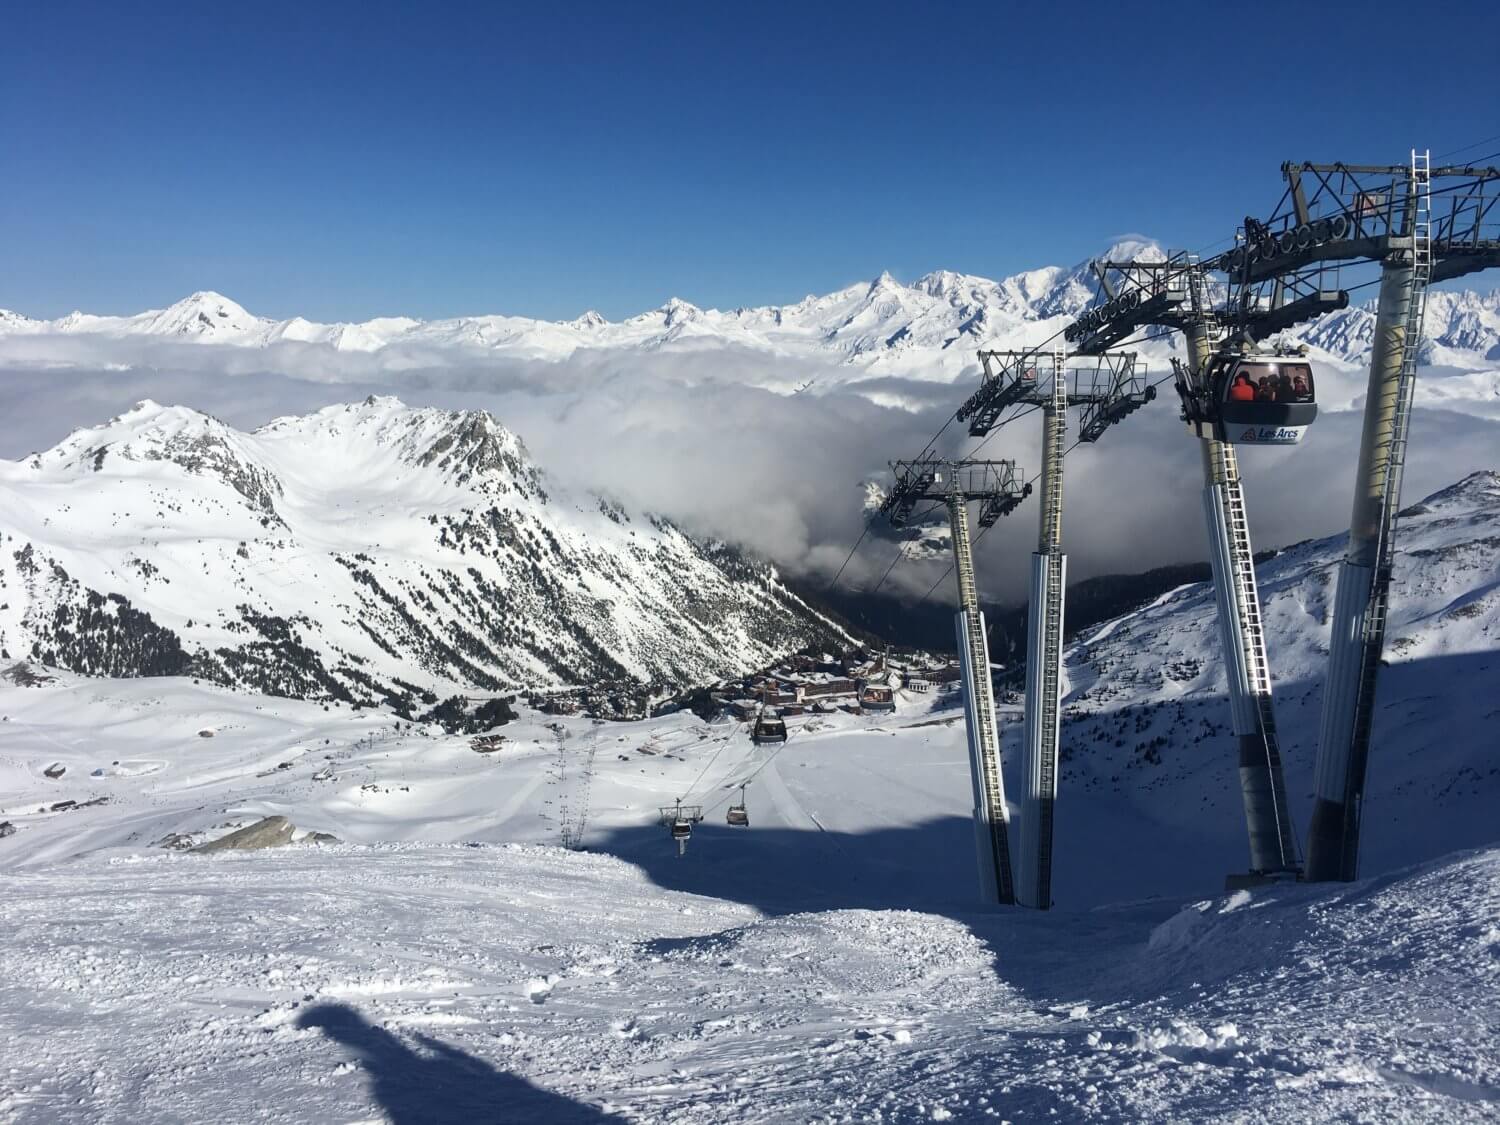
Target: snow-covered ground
point(451, 960)
point(504, 931)
point(516, 983)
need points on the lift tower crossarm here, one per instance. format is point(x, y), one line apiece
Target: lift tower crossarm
point(1357, 212)
point(1110, 386)
point(999, 488)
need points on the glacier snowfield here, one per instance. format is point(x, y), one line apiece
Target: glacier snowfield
point(450, 961)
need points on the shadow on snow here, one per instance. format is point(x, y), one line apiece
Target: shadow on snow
point(439, 1084)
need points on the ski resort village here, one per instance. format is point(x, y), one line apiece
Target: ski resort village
point(1058, 692)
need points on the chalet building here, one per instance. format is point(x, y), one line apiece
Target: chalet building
point(744, 709)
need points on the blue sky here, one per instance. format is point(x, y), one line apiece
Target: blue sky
point(348, 160)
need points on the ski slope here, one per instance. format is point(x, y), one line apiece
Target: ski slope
point(450, 961)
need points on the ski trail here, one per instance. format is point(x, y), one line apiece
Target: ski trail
point(783, 801)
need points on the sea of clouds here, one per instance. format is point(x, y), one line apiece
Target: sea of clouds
point(713, 438)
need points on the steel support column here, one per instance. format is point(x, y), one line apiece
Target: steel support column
point(991, 816)
point(1044, 660)
point(1363, 584)
point(1242, 639)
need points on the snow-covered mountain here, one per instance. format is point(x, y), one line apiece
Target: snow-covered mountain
point(1146, 717)
point(365, 551)
point(514, 927)
point(1461, 330)
point(929, 328)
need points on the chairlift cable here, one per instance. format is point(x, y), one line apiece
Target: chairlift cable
point(901, 555)
point(1034, 478)
point(723, 742)
point(847, 558)
point(1465, 148)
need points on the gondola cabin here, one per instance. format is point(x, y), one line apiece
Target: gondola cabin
point(769, 727)
point(1260, 400)
point(682, 828)
point(739, 815)
point(876, 698)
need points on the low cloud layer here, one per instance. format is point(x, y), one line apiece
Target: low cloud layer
point(692, 434)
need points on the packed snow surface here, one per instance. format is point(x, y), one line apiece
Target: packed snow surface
point(501, 929)
point(505, 933)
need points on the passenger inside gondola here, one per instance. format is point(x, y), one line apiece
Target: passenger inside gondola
point(1266, 385)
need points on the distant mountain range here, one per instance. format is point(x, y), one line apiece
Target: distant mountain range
point(366, 552)
point(929, 328)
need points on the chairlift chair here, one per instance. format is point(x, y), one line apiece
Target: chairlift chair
point(679, 820)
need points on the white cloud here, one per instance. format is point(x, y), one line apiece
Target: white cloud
point(686, 433)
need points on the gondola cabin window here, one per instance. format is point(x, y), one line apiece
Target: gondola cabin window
point(1270, 382)
point(1265, 401)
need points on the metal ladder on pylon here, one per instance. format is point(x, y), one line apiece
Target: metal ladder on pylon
point(1050, 543)
point(1057, 423)
point(996, 813)
point(1051, 688)
point(1246, 597)
point(1420, 187)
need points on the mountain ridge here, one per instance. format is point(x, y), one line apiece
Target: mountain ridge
point(367, 551)
point(872, 324)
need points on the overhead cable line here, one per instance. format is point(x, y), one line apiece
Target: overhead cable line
point(1465, 148)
